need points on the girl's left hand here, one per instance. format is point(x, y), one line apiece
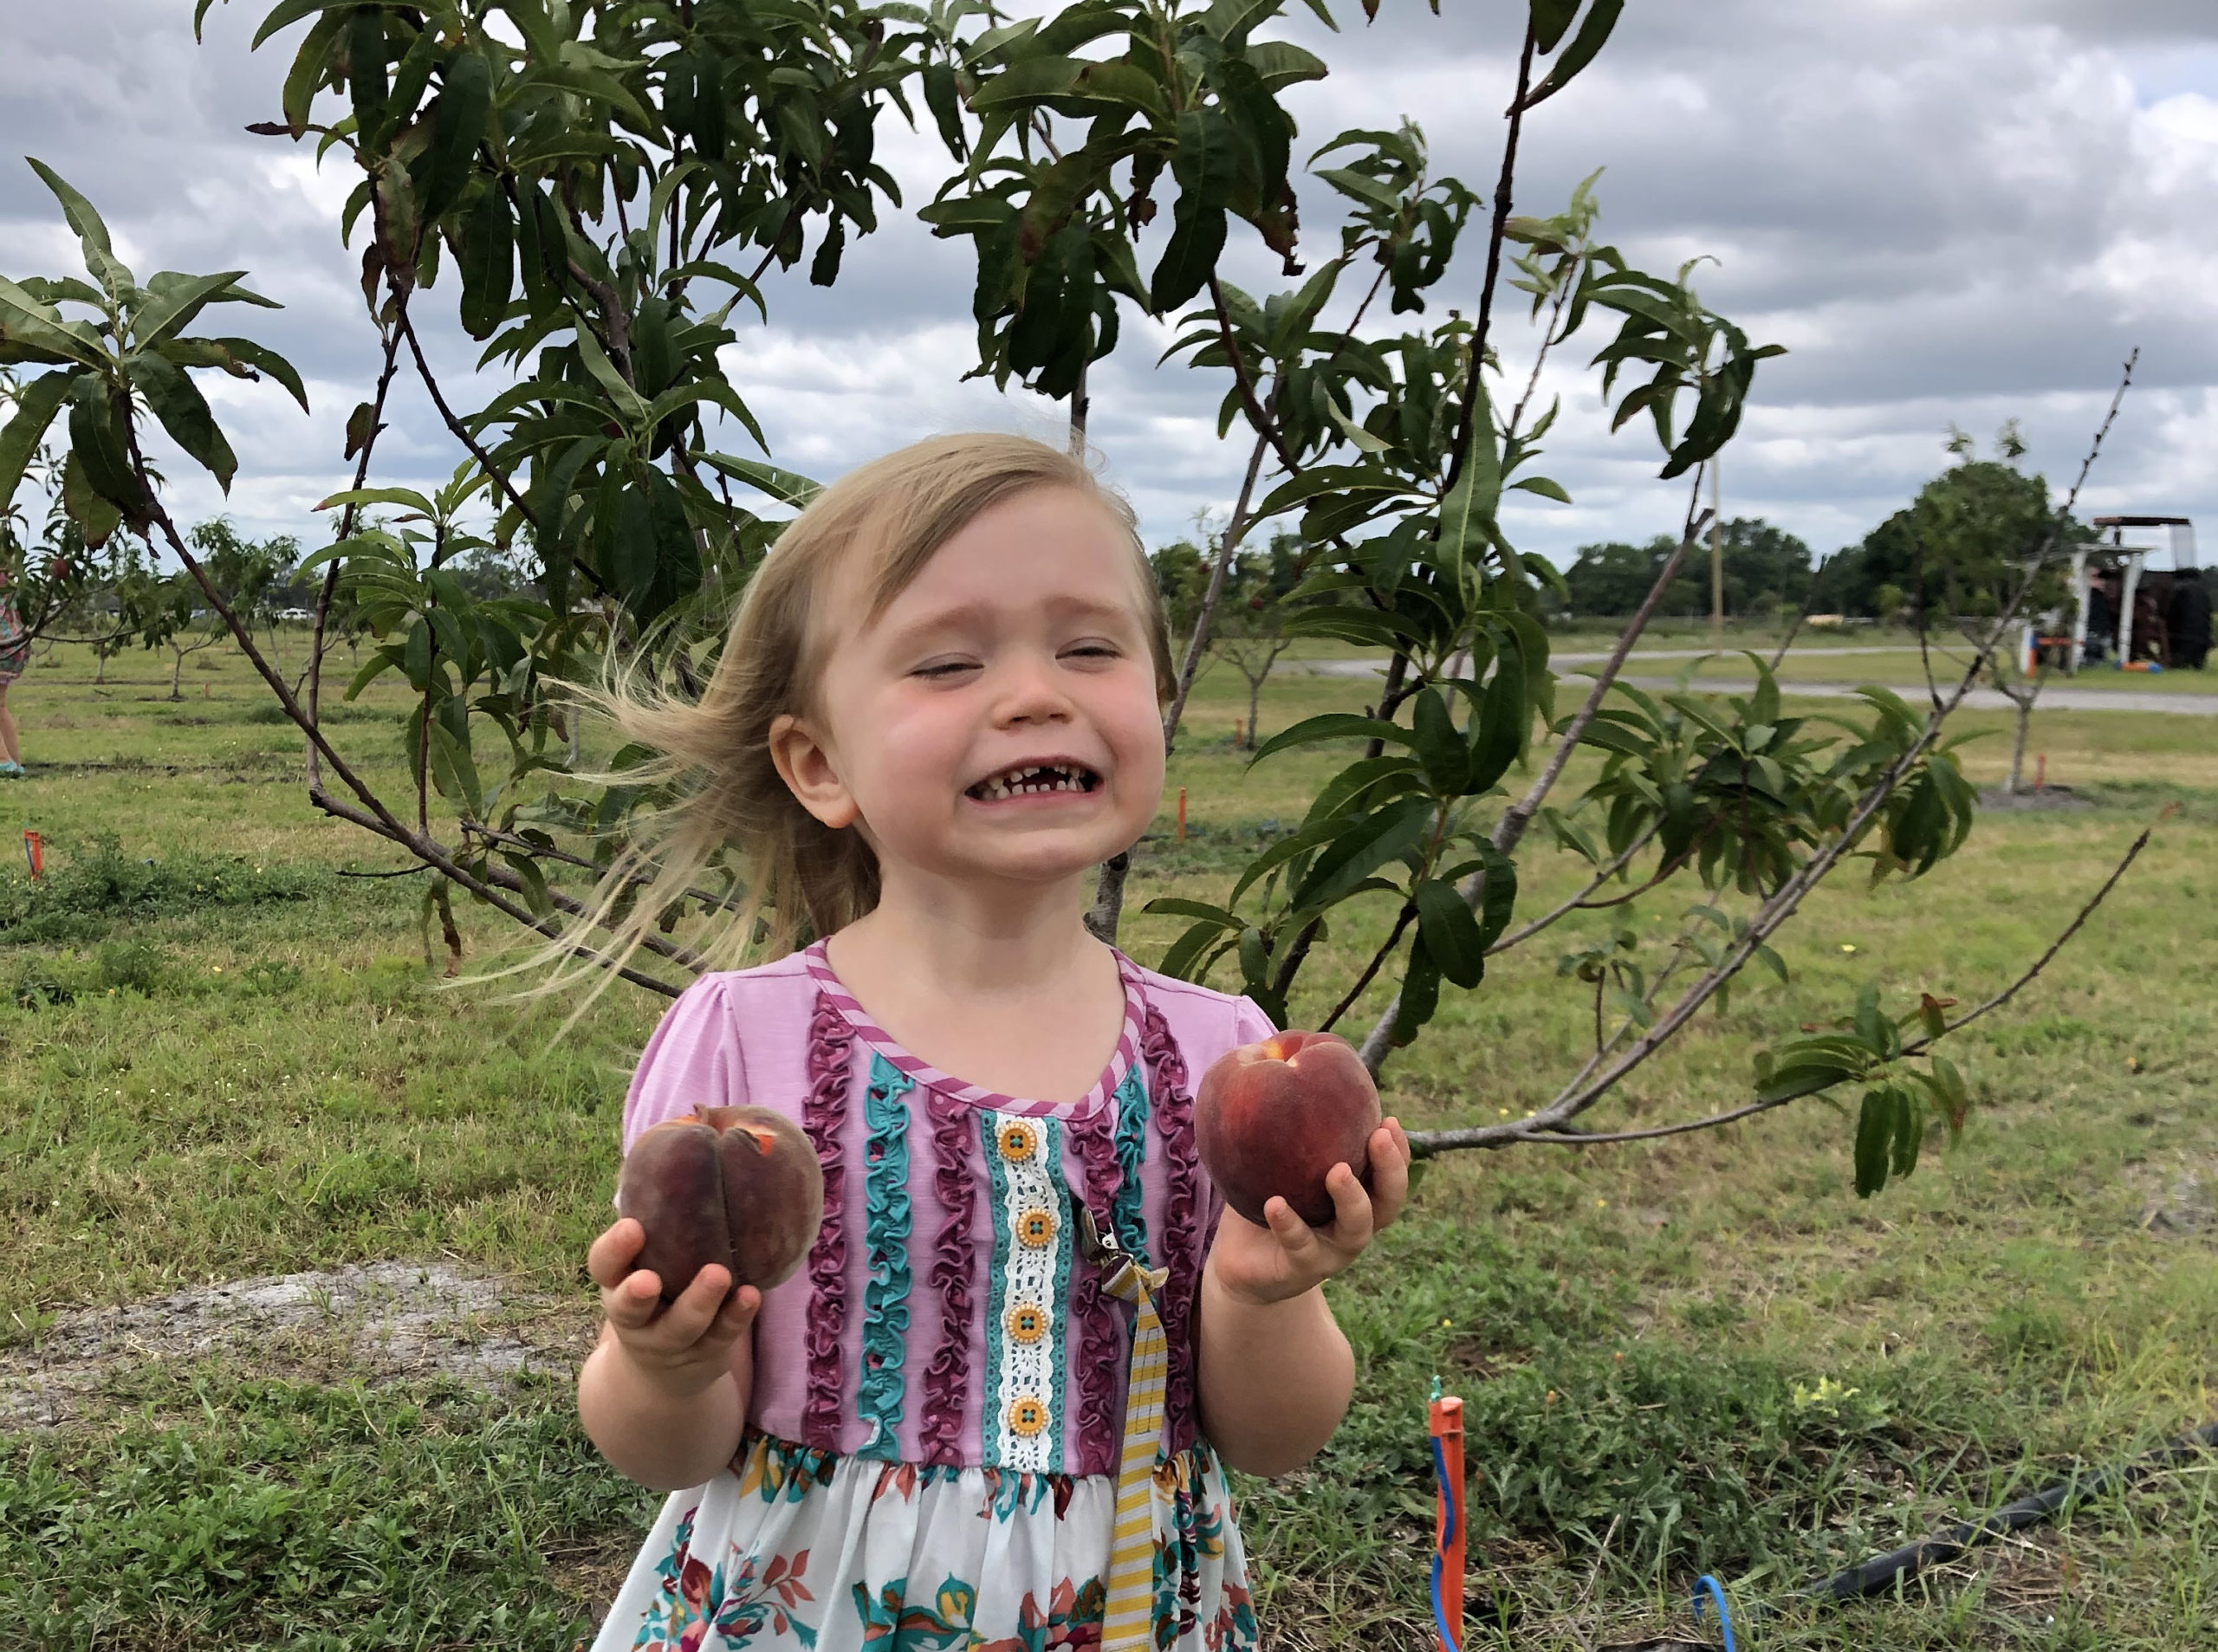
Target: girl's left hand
point(1286, 1257)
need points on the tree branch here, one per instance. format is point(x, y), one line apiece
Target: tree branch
point(1510, 829)
point(493, 472)
point(1426, 1144)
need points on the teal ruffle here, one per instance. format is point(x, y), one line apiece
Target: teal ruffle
point(886, 1293)
point(1125, 1215)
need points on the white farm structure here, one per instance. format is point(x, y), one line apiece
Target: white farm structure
point(2130, 561)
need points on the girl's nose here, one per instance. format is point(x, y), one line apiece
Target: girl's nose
point(1032, 691)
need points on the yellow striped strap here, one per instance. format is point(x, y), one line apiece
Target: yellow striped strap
point(1126, 1618)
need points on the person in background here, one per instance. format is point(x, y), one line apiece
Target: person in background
point(2102, 616)
point(2186, 616)
point(15, 655)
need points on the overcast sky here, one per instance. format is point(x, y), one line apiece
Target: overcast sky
point(1950, 211)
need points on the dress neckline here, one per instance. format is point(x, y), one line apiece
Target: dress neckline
point(1121, 1061)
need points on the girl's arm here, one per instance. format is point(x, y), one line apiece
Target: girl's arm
point(1275, 1375)
point(663, 1393)
point(1275, 1378)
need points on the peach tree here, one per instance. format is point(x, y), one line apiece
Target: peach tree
point(607, 194)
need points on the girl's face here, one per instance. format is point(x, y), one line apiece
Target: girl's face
point(998, 722)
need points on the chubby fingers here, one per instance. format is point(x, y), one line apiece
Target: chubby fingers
point(1353, 1217)
point(1389, 1172)
point(615, 1253)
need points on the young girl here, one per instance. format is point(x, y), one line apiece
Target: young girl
point(938, 713)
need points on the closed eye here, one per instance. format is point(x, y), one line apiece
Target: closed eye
point(939, 671)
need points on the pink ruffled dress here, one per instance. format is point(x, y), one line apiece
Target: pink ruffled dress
point(933, 1438)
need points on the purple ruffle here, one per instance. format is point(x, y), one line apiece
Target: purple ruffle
point(831, 1043)
point(1101, 1337)
point(954, 1178)
point(1182, 1244)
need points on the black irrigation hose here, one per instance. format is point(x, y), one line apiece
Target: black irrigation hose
point(1905, 1563)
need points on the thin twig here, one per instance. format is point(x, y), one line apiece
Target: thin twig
point(1227, 546)
point(493, 472)
point(1371, 969)
point(1577, 903)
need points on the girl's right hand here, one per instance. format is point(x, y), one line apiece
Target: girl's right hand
point(681, 1347)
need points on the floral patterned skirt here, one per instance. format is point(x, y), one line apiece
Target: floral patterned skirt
point(795, 1547)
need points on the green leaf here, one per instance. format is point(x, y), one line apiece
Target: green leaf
point(1178, 962)
point(24, 321)
point(1498, 891)
point(1543, 487)
point(1178, 907)
point(35, 406)
point(463, 103)
point(1332, 725)
point(1447, 760)
point(1419, 997)
point(1909, 1129)
point(1027, 83)
point(1576, 56)
point(183, 412)
point(1467, 515)
point(177, 304)
point(1551, 19)
point(786, 487)
point(1189, 256)
point(1280, 62)
point(96, 438)
point(96, 516)
point(1360, 848)
point(1875, 1137)
point(1450, 933)
point(99, 256)
point(1500, 724)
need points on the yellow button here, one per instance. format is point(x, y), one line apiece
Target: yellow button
point(1027, 1322)
point(1019, 1141)
point(1036, 1228)
point(1027, 1415)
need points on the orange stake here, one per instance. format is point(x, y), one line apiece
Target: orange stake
point(1447, 1420)
point(35, 852)
point(1182, 814)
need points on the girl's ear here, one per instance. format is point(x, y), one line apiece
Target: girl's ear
point(805, 763)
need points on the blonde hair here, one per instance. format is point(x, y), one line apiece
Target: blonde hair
point(711, 755)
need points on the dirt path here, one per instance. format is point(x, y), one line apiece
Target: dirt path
point(382, 1321)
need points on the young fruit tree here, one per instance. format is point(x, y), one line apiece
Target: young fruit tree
point(603, 192)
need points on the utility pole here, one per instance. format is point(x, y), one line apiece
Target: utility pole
point(1716, 562)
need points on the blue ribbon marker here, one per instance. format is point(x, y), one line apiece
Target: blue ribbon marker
point(1717, 1598)
point(1451, 1502)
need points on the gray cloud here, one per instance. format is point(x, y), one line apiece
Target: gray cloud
point(1950, 212)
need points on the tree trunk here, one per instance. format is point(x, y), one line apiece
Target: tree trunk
point(2017, 744)
point(1254, 698)
point(99, 667)
point(176, 672)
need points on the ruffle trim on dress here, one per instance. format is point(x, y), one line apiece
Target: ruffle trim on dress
point(1183, 1253)
point(885, 1290)
point(947, 1374)
point(831, 1046)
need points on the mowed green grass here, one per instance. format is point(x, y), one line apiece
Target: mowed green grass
point(237, 1062)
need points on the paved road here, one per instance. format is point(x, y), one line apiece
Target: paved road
point(2057, 696)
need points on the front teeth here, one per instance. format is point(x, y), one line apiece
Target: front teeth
point(1027, 782)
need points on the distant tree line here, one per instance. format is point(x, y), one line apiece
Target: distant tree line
point(1982, 511)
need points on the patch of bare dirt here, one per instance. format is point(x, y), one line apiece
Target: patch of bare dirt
point(383, 1322)
point(2048, 798)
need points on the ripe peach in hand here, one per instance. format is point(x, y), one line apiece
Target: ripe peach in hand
point(1274, 1118)
point(740, 1187)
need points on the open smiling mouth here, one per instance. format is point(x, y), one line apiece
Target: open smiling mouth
point(1036, 780)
